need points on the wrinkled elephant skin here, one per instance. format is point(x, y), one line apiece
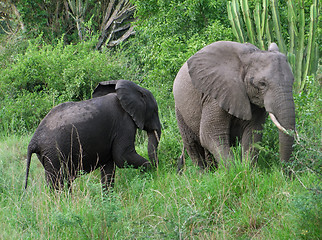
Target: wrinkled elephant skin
point(224, 92)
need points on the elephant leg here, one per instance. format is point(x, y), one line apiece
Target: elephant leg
point(53, 172)
point(108, 176)
point(214, 132)
point(248, 139)
point(52, 179)
point(132, 159)
point(123, 151)
point(211, 161)
point(253, 134)
point(196, 153)
point(191, 143)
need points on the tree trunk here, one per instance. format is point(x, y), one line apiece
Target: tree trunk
point(116, 26)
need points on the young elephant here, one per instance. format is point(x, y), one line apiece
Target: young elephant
point(96, 133)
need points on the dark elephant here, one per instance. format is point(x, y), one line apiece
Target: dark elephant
point(224, 92)
point(96, 133)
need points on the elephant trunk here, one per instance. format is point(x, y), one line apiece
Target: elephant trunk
point(285, 120)
point(153, 142)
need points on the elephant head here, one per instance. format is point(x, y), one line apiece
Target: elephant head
point(239, 76)
point(140, 104)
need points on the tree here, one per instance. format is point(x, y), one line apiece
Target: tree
point(111, 19)
point(116, 23)
point(10, 18)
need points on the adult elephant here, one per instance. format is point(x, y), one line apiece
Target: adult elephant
point(223, 93)
point(96, 133)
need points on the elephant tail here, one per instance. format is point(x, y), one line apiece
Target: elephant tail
point(31, 150)
point(181, 162)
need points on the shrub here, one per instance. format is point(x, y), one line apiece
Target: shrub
point(169, 32)
point(308, 148)
point(308, 207)
point(21, 114)
point(46, 75)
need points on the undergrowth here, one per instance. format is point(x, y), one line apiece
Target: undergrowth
point(243, 202)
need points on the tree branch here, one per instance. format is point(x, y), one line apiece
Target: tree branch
point(115, 16)
point(125, 36)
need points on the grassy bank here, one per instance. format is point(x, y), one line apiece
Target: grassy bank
point(246, 202)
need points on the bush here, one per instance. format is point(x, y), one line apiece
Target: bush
point(308, 148)
point(169, 32)
point(46, 75)
point(308, 207)
point(21, 114)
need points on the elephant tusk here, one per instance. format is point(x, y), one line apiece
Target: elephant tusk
point(297, 136)
point(156, 135)
point(278, 125)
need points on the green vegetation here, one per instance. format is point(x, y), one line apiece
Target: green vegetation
point(46, 75)
point(246, 202)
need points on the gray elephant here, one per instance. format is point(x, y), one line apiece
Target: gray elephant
point(224, 92)
point(96, 133)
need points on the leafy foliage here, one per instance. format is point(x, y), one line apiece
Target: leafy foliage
point(46, 75)
point(76, 19)
point(171, 31)
point(308, 149)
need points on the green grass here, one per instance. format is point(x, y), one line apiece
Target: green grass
point(242, 203)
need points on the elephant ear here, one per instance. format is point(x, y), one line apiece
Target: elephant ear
point(132, 100)
point(104, 88)
point(217, 71)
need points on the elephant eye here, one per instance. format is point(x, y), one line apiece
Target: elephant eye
point(262, 84)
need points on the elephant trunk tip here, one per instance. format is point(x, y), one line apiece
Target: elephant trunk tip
point(154, 139)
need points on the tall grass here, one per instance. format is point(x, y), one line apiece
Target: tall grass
point(244, 202)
